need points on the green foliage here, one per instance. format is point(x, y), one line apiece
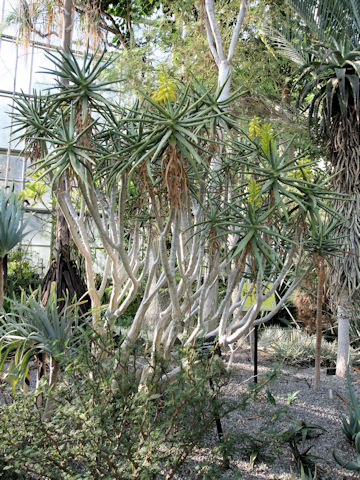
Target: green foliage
point(29, 328)
point(172, 141)
point(351, 426)
point(353, 466)
point(105, 425)
point(83, 87)
point(291, 398)
point(330, 18)
point(296, 437)
point(62, 119)
point(297, 347)
point(12, 228)
point(22, 274)
point(334, 76)
point(256, 450)
point(328, 75)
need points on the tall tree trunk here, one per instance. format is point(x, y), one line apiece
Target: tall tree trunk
point(344, 155)
point(63, 270)
point(223, 63)
point(344, 314)
point(67, 24)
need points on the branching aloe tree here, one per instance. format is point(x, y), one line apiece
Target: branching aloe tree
point(329, 91)
point(144, 191)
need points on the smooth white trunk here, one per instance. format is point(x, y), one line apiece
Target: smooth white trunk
point(152, 314)
point(344, 316)
point(224, 79)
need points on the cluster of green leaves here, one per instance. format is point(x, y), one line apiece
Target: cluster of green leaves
point(104, 425)
point(22, 273)
point(117, 140)
point(29, 328)
point(12, 227)
point(334, 75)
point(296, 438)
point(172, 146)
point(327, 79)
point(60, 120)
point(277, 200)
point(297, 347)
point(351, 429)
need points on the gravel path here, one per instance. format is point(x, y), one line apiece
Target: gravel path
point(323, 408)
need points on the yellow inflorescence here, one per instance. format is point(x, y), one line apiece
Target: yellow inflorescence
point(266, 137)
point(254, 197)
point(303, 168)
point(254, 127)
point(166, 90)
point(263, 131)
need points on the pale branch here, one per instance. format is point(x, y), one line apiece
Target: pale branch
point(214, 27)
point(211, 42)
point(105, 276)
point(236, 32)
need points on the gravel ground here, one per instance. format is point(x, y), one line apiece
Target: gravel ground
point(323, 408)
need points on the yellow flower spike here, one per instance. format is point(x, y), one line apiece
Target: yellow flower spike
point(254, 197)
point(254, 127)
point(302, 168)
point(266, 137)
point(166, 89)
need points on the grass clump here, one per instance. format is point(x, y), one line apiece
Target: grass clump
point(297, 347)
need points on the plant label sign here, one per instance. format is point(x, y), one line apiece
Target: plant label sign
point(268, 304)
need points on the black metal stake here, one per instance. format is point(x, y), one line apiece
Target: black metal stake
point(255, 354)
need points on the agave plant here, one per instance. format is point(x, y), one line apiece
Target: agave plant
point(12, 230)
point(30, 329)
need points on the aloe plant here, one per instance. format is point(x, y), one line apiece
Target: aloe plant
point(11, 230)
point(31, 328)
point(351, 428)
point(352, 465)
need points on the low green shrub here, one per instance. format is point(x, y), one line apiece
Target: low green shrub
point(297, 347)
point(105, 424)
point(22, 273)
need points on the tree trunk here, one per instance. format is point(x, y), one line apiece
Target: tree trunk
point(62, 235)
point(223, 63)
point(211, 301)
point(49, 407)
point(321, 277)
point(63, 270)
point(152, 315)
point(67, 24)
point(344, 312)
point(224, 79)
